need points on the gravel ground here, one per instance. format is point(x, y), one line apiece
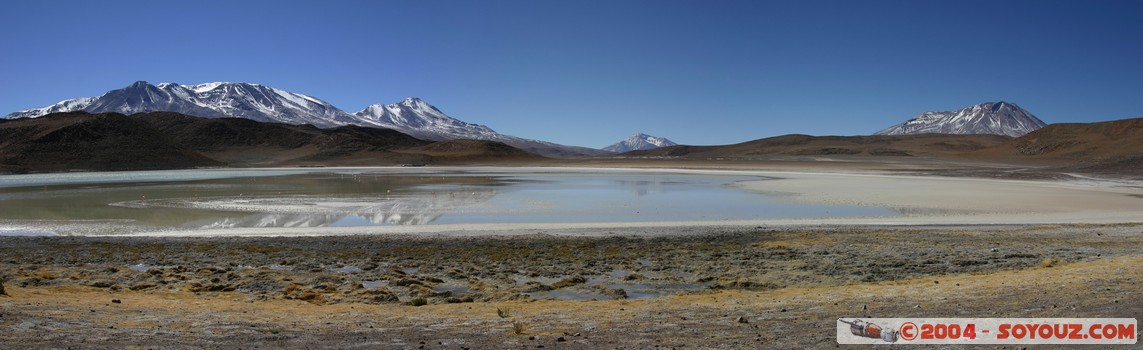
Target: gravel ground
point(681, 287)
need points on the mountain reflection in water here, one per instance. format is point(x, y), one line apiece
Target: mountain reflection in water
point(308, 211)
point(214, 201)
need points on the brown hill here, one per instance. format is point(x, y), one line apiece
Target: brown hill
point(244, 142)
point(1105, 147)
point(927, 145)
point(70, 141)
point(164, 140)
point(1113, 146)
point(473, 150)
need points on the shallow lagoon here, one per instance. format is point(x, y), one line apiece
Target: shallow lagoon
point(139, 202)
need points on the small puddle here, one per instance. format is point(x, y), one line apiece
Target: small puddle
point(374, 284)
point(650, 290)
point(347, 269)
point(21, 232)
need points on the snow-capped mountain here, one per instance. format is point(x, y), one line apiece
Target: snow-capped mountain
point(999, 118)
point(262, 103)
point(639, 142)
point(421, 120)
point(212, 100)
point(63, 106)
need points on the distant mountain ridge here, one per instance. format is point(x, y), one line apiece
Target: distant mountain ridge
point(412, 116)
point(639, 142)
point(210, 100)
point(996, 118)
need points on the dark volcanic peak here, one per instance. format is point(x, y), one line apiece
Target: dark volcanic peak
point(997, 118)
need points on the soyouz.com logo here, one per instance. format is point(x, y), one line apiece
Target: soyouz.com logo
point(988, 331)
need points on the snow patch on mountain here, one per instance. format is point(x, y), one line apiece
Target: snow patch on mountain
point(639, 142)
point(419, 119)
point(62, 106)
point(999, 118)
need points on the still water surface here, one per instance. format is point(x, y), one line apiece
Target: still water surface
point(134, 202)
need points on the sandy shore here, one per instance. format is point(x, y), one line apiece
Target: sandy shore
point(959, 200)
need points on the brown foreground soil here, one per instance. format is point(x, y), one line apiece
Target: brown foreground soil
point(682, 288)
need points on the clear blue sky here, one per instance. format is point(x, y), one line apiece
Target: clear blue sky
point(590, 73)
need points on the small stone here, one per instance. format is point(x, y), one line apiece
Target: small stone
point(561, 339)
point(116, 301)
point(744, 320)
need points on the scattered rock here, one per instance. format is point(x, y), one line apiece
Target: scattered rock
point(379, 295)
point(744, 320)
point(142, 286)
point(298, 292)
point(615, 293)
point(1019, 256)
point(570, 281)
point(210, 270)
point(533, 286)
point(407, 282)
point(965, 263)
point(193, 287)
